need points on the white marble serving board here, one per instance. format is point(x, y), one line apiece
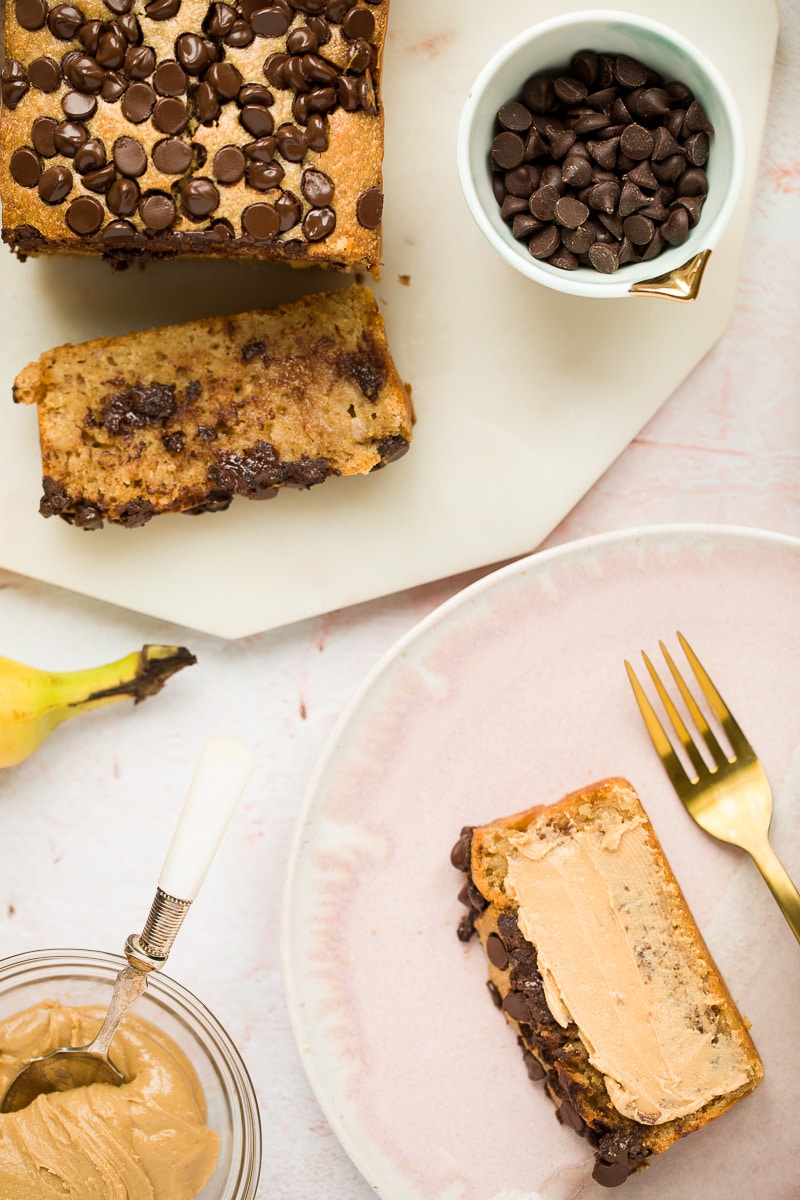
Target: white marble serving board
point(523, 396)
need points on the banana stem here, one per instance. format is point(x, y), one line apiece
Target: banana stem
point(136, 676)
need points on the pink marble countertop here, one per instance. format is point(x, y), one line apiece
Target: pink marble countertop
point(80, 842)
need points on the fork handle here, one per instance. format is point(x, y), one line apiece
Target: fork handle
point(779, 884)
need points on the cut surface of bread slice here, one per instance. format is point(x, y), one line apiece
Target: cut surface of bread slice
point(598, 965)
point(183, 418)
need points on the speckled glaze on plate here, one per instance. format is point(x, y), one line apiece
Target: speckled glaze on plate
point(513, 693)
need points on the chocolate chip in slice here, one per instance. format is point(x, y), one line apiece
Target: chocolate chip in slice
point(123, 197)
point(369, 208)
point(13, 83)
point(114, 86)
point(291, 143)
point(257, 120)
point(192, 53)
point(31, 14)
point(319, 223)
point(199, 198)
point(317, 187)
point(264, 176)
point(69, 136)
point(25, 167)
point(162, 10)
point(64, 21)
point(100, 180)
point(43, 136)
point(90, 156)
point(261, 221)
point(289, 210)
point(140, 62)
point(85, 215)
point(229, 164)
point(138, 103)
point(170, 115)
point(169, 78)
point(157, 210)
point(45, 75)
point(55, 184)
point(130, 157)
point(172, 156)
point(358, 23)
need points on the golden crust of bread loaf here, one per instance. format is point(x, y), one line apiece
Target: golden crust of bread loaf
point(185, 417)
point(557, 1053)
point(351, 160)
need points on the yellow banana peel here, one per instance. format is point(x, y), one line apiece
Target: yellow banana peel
point(34, 702)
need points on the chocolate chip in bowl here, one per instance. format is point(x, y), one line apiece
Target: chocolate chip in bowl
point(601, 154)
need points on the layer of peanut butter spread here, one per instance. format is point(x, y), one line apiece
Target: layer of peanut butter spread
point(612, 960)
point(145, 1140)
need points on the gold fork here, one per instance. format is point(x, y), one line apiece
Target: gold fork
point(732, 798)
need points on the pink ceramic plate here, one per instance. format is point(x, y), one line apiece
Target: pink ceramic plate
point(511, 694)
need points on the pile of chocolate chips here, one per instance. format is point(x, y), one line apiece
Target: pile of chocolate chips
point(110, 63)
point(602, 165)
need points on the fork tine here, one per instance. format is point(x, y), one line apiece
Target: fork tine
point(669, 758)
point(706, 732)
point(685, 738)
point(739, 743)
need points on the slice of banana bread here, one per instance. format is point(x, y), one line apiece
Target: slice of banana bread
point(598, 965)
point(183, 418)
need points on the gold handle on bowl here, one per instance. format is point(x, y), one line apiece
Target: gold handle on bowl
point(681, 284)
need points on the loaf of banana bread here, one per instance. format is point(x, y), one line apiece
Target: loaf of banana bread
point(249, 129)
point(598, 966)
point(183, 418)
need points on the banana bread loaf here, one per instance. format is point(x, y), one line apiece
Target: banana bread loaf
point(598, 966)
point(249, 129)
point(183, 418)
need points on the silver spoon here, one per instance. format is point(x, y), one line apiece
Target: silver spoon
point(220, 778)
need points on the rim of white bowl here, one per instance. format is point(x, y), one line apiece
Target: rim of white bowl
point(604, 286)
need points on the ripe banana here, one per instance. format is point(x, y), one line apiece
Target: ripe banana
point(34, 702)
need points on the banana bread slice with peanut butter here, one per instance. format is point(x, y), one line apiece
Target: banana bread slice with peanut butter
point(183, 418)
point(598, 966)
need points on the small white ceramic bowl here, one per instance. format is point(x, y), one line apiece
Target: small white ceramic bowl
point(549, 46)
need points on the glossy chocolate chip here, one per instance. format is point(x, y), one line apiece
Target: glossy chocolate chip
point(55, 184)
point(162, 10)
point(100, 180)
point(13, 83)
point(89, 157)
point(123, 197)
point(85, 215)
point(359, 57)
point(25, 167)
point(229, 164)
point(69, 136)
point(130, 157)
point(273, 68)
point(316, 133)
point(140, 62)
point(111, 47)
point(257, 120)
point(138, 103)
point(255, 93)
point(192, 53)
point(169, 78)
point(64, 21)
point(172, 156)
point(84, 73)
point(317, 187)
point(289, 210)
point(270, 21)
point(206, 104)
point(114, 86)
point(302, 40)
point(199, 198)
point(219, 20)
point(44, 74)
point(291, 143)
point(225, 79)
point(43, 136)
point(263, 176)
point(369, 208)
point(170, 115)
point(261, 221)
point(319, 223)
point(119, 7)
point(157, 211)
point(241, 34)
point(31, 14)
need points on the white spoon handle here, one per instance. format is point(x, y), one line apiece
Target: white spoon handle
point(225, 766)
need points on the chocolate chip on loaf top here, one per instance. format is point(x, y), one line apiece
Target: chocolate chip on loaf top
point(184, 418)
point(251, 129)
